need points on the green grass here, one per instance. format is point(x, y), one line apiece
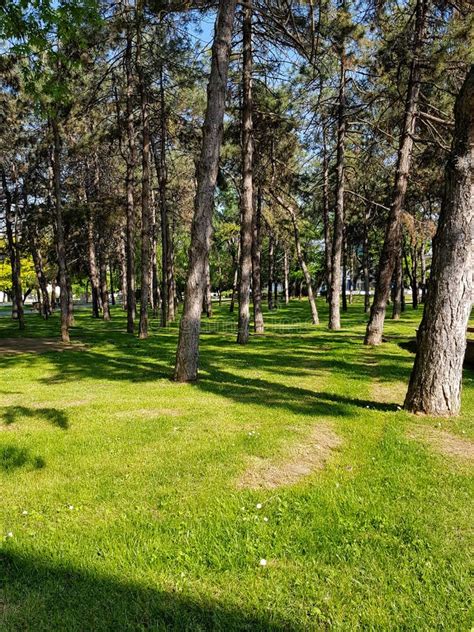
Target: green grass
point(134, 520)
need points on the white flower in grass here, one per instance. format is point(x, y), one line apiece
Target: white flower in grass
point(9, 534)
point(265, 519)
point(24, 512)
point(259, 505)
point(263, 562)
point(71, 507)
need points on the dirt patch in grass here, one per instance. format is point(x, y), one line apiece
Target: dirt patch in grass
point(444, 442)
point(301, 459)
point(16, 346)
point(388, 392)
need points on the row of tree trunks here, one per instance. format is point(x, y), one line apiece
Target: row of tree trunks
point(187, 354)
point(436, 379)
point(14, 253)
point(391, 246)
point(168, 292)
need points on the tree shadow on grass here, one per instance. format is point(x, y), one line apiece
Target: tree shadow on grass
point(38, 595)
point(56, 417)
point(277, 395)
point(13, 458)
point(355, 401)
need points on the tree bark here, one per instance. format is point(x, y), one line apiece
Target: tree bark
point(187, 355)
point(338, 232)
point(246, 197)
point(435, 383)
point(391, 244)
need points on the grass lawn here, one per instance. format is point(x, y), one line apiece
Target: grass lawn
point(120, 503)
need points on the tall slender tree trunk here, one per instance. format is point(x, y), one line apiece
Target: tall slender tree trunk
point(303, 266)
point(414, 276)
point(423, 272)
point(286, 284)
point(53, 295)
point(207, 298)
point(187, 355)
point(70, 302)
point(398, 278)
point(111, 278)
point(39, 270)
point(147, 223)
point(326, 222)
point(167, 269)
point(104, 291)
point(60, 237)
point(93, 272)
point(258, 323)
point(344, 274)
point(391, 244)
point(366, 261)
point(246, 197)
point(338, 232)
point(154, 263)
point(235, 278)
point(271, 270)
point(130, 179)
point(122, 257)
point(435, 383)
